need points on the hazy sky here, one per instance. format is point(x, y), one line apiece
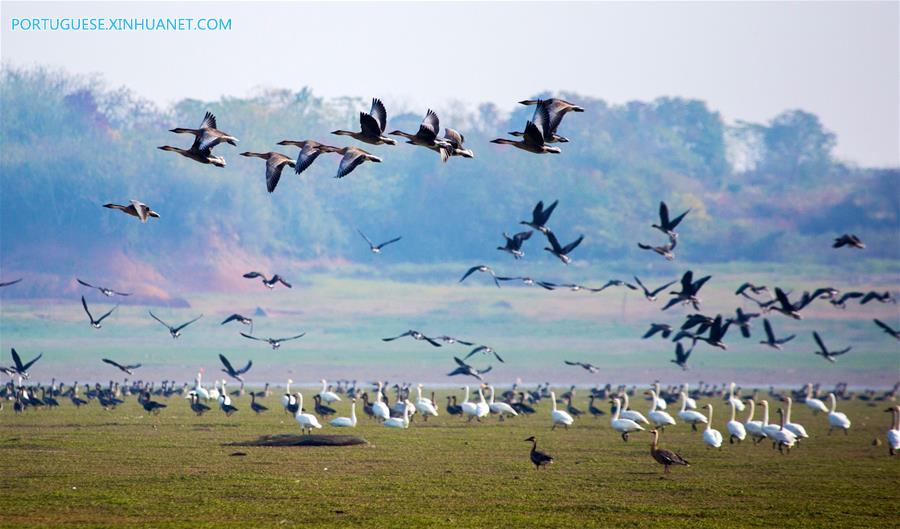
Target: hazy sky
point(750, 61)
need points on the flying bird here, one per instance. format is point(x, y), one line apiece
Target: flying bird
point(231, 371)
point(655, 328)
point(528, 281)
point(742, 320)
point(481, 268)
point(270, 283)
point(556, 110)
point(533, 137)
point(771, 340)
point(376, 248)
point(887, 328)
point(205, 138)
point(514, 243)
point(8, 283)
point(427, 135)
point(784, 305)
point(681, 356)
point(883, 297)
point(455, 148)
point(824, 352)
point(243, 320)
point(129, 369)
point(174, 331)
point(841, 301)
point(588, 367)
point(716, 333)
point(95, 323)
point(561, 252)
point(309, 151)
point(741, 291)
point(135, 209)
point(688, 292)
point(651, 294)
point(466, 369)
point(451, 340)
point(665, 250)
point(485, 350)
point(415, 335)
point(850, 241)
point(352, 158)
point(372, 126)
point(540, 216)
point(108, 292)
point(617, 283)
point(18, 367)
point(275, 162)
point(667, 225)
point(274, 342)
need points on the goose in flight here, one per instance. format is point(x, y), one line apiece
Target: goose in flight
point(651, 294)
point(466, 369)
point(784, 305)
point(208, 135)
point(540, 216)
point(96, 323)
point(455, 141)
point(270, 283)
point(574, 287)
point(352, 158)
point(771, 340)
point(689, 291)
point(243, 320)
point(824, 352)
point(667, 225)
point(742, 320)
point(415, 335)
point(136, 209)
point(665, 250)
point(485, 350)
point(850, 241)
point(372, 126)
point(562, 252)
point(18, 367)
point(617, 283)
point(681, 356)
point(526, 281)
point(887, 328)
point(376, 248)
point(129, 369)
point(841, 302)
point(275, 162)
point(450, 340)
point(758, 290)
point(533, 137)
point(655, 328)
point(590, 368)
point(205, 156)
point(309, 151)
point(883, 297)
point(174, 331)
point(8, 283)
point(716, 333)
point(427, 135)
point(556, 110)
point(514, 243)
point(229, 370)
point(274, 342)
point(108, 292)
point(481, 268)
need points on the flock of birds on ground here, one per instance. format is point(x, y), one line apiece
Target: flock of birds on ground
point(539, 133)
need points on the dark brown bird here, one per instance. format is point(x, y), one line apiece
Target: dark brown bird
point(275, 162)
point(664, 456)
point(372, 126)
point(849, 240)
point(537, 457)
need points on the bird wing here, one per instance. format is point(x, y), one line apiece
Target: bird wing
point(407, 333)
point(246, 368)
point(183, 325)
point(252, 337)
point(8, 283)
point(783, 299)
point(251, 275)
point(379, 113)
point(132, 366)
point(545, 214)
point(226, 363)
point(29, 364)
point(883, 325)
point(541, 120)
point(663, 215)
point(368, 240)
point(17, 360)
point(141, 209)
point(281, 280)
point(460, 362)
point(533, 135)
point(483, 371)
point(698, 284)
point(301, 335)
point(840, 352)
point(687, 280)
point(819, 341)
point(382, 245)
point(370, 125)
point(349, 162)
point(85, 283)
point(431, 341)
point(537, 212)
point(113, 363)
point(554, 242)
point(274, 166)
point(454, 137)
point(306, 157)
point(572, 245)
point(469, 272)
point(569, 363)
point(430, 126)
point(209, 121)
point(677, 220)
point(233, 317)
point(166, 325)
point(770, 335)
point(787, 339)
point(101, 318)
point(84, 304)
point(522, 236)
point(660, 289)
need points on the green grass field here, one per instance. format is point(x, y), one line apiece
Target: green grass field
point(90, 467)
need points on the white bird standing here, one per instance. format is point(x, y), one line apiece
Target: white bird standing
point(783, 438)
point(635, 416)
point(836, 419)
point(397, 422)
point(735, 429)
point(198, 387)
point(346, 422)
point(214, 392)
point(813, 403)
point(660, 418)
point(559, 416)
point(483, 409)
point(306, 421)
point(469, 408)
point(712, 438)
point(893, 435)
point(661, 404)
point(328, 396)
point(379, 408)
point(288, 398)
point(734, 400)
point(795, 428)
point(691, 417)
point(424, 405)
point(223, 396)
point(754, 428)
point(623, 426)
point(770, 429)
point(500, 408)
point(689, 402)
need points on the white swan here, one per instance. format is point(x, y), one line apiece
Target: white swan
point(500, 408)
point(346, 422)
point(754, 428)
point(635, 416)
point(288, 398)
point(734, 400)
point(424, 405)
point(224, 398)
point(469, 409)
point(199, 389)
point(328, 396)
point(783, 438)
point(836, 419)
point(893, 435)
point(661, 404)
point(214, 392)
point(397, 422)
point(660, 418)
point(689, 402)
point(306, 421)
point(379, 408)
point(691, 417)
point(623, 426)
point(735, 429)
point(770, 429)
point(482, 408)
point(795, 428)
point(559, 416)
point(712, 438)
point(814, 404)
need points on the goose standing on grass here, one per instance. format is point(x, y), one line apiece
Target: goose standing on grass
point(425, 406)
point(659, 418)
point(198, 386)
point(275, 162)
point(754, 428)
point(351, 158)
point(712, 438)
point(396, 422)
point(691, 417)
point(371, 125)
point(136, 209)
point(813, 403)
point(836, 419)
point(500, 408)
point(559, 417)
point(346, 422)
point(379, 408)
point(309, 151)
point(255, 406)
point(664, 456)
point(735, 429)
point(307, 421)
point(783, 437)
point(893, 435)
point(621, 425)
point(661, 403)
point(795, 428)
point(196, 406)
point(326, 395)
point(482, 408)
point(538, 458)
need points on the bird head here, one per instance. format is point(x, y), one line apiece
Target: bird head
point(530, 439)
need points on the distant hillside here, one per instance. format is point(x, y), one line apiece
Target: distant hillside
point(757, 192)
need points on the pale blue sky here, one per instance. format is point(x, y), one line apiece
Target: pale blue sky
point(750, 61)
